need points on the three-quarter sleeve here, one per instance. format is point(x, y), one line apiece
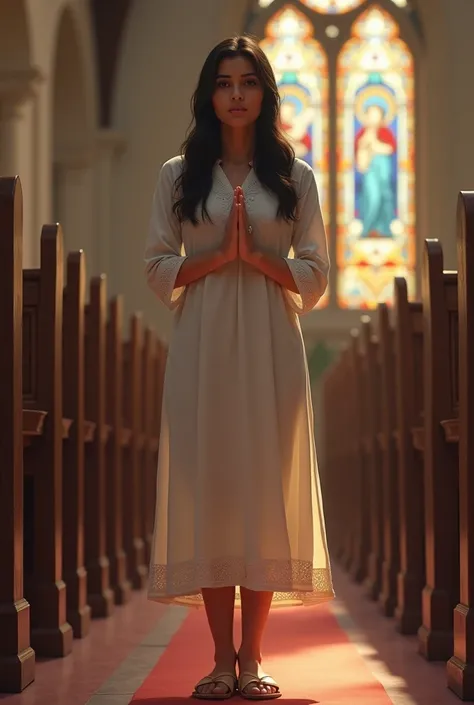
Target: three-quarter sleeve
point(310, 264)
point(163, 257)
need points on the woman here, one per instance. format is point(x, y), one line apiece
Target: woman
point(238, 497)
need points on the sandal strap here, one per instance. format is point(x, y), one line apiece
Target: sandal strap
point(227, 678)
point(246, 678)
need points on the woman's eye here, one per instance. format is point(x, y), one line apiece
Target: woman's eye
point(251, 82)
point(222, 84)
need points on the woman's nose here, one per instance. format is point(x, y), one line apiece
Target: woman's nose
point(237, 93)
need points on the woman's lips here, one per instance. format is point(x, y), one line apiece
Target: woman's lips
point(238, 110)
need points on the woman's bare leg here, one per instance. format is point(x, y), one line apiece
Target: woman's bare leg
point(219, 604)
point(255, 609)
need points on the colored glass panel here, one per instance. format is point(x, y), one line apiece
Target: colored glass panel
point(301, 70)
point(375, 229)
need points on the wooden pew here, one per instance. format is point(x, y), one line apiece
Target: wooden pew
point(460, 668)
point(361, 521)
point(118, 440)
point(409, 386)
point(51, 634)
point(344, 445)
point(342, 478)
point(100, 596)
point(75, 574)
point(149, 431)
point(441, 494)
point(390, 488)
point(17, 658)
point(371, 417)
point(132, 468)
point(328, 479)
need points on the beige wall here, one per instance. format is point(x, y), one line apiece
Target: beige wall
point(157, 75)
point(104, 181)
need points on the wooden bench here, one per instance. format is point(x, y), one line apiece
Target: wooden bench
point(100, 595)
point(408, 327)
point(361, 521)
point(460, 669)
point(17, 658)
point(51, 634)
point(118, 441)
point(132, 466)
point(440, 455)
point(390, 552)
point(73, 329)
point(370, 408)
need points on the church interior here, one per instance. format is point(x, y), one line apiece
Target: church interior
point(376, 98)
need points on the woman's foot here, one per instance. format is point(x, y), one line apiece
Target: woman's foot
point(221, 683)
point(254, 683)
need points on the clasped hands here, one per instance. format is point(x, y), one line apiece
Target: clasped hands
point(238, 242)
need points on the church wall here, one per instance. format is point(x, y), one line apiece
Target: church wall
point(157, 73)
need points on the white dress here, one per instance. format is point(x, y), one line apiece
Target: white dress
point(238, 493)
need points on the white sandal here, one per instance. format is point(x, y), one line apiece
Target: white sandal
point(227, 679)
point(246, 679)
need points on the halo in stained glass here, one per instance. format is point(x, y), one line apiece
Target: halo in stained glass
point(375, 162)
point(301, 71)
point(332, 7)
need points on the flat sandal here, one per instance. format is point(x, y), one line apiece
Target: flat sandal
point(227, 679)
point(246, 679)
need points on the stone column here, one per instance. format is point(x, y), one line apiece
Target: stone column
point(110, 145)
point(73, 198)
point(16, 88)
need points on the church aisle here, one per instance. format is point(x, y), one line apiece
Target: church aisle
point(334, 654)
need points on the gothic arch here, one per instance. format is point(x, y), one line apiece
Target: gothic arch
point(74, 82)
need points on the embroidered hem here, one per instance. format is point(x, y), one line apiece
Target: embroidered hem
point(293, 582)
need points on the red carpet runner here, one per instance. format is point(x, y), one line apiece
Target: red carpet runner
point(306, 651)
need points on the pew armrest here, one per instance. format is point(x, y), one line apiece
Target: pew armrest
point(33, 424)
point(451, 430)
point(67, 423)
point(126, 437)
point(89, 431)
point(418, 438)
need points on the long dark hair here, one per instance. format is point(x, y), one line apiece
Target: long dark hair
point(274, 156)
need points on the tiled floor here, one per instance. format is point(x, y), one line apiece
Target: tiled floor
point(74, 679)
point(109, 666)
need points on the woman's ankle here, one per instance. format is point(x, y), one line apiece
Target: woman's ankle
point(225, 653)
point(249, 652)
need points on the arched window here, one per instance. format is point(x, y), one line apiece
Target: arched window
point(347, 82)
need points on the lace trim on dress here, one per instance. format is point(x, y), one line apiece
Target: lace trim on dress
point(289, 580)
point(306, 280)
point(164, 275)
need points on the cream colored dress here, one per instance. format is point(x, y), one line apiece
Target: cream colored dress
point(238, 494)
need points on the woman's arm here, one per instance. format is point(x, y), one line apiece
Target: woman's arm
point(197, 266)
point(274, 267)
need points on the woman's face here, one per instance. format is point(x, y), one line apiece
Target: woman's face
point(238, 93)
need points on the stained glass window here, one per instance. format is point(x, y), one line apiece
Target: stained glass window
point(365, 167)
point(301, 70)
point(375, 237)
